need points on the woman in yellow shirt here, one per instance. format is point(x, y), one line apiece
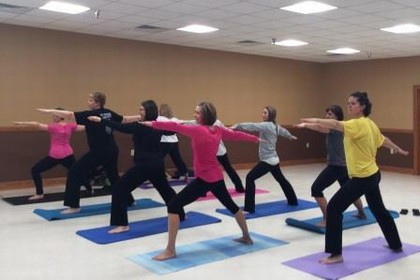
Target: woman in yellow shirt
point(362, 138)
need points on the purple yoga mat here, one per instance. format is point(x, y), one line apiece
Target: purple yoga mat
point(357, 257)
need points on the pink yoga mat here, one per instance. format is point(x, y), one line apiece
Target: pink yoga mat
point(232, 193)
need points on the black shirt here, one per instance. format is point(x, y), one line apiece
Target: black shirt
point(99, 135)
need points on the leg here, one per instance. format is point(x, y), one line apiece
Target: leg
point(284, 184)
point(224, 161)
point(341, 200)
point(121, 191)
point(158, 179)
point(385, 220)
point(177, 160)
point(259, 170)
point(342, 179)
point(219, 190)
point(189, 194)
point(76, 175)
point(325, 179)
point(43, 165)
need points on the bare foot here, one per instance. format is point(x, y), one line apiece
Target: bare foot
point(322, 223)
point(70, 211)
point(36, 197)
point(360, 216)
point(165, 255)
point(332, 259)
point(244, 240)
point(119, 229)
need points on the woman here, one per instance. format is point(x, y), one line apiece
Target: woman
point(60, 152)
point(169, 143)
point(148, 165)
point(269, 131)
point(205, 139)
point(362, 138)
point(336, 163)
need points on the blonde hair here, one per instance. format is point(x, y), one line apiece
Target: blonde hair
point(99, 97)
point(166, 111)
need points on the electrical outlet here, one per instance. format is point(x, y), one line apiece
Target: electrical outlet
point(307, 145)
point(132, 153)
point(392, 151)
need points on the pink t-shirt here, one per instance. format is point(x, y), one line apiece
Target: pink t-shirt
point(205, 143)
point(60, 139)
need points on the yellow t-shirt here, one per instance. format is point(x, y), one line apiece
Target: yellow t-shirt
point(362, 138)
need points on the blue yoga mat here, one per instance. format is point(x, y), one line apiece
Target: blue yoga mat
point(144, 228)
point(274, 208)
point(204, 252)
point(357, 257)
point(95, 209)
point(349, 221)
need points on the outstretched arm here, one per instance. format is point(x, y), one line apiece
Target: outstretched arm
point(61, 113)
point(392, 146)
point(313, 126)
point(325, 123)
point(128, 119)
point(37, 125)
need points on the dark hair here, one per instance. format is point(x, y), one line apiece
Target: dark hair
point(60, 109)
point(337, 111)
point(150, 109)
point(208, 113)
point(272, 114)
point(362, 98)
point(165, 110)
point(99, 98)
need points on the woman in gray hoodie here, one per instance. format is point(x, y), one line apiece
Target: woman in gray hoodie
point(268, 131)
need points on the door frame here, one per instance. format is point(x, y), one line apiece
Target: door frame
point(416, 128)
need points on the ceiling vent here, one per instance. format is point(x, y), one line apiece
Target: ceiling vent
point(7, 8)
point(150, 28)
point(249, 43)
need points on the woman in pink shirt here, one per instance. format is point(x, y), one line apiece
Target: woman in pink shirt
point(60, 151)
point(205, 140)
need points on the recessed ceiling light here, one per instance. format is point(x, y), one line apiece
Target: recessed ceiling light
point(309, 7)
point(197, 28)
point(289, 43)
point(63, 7)
point(402, 29)
point(344, 51)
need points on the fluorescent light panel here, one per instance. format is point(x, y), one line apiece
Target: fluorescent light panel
point(344, 51)
point(62, 7)
point(402, 29)
point(197, 28)
point(290, 43)
point(309, 7)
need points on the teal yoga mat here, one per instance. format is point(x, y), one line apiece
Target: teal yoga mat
point(274, 208)
point(349, 221)
point(94, 209)
point(204, 252)
point(144, 228)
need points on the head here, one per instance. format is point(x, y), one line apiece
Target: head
point(334, 112)
point(148, 110)
point(269, 114)
point(96, 100)
point(359, 104)
point(58, 118)
point(165, 110)
point(205, 113)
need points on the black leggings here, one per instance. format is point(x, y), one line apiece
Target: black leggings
point(224, 161)
point(344, 197)
point(198, 188)
point(173, 150)
point(134, 177)
point(84, 167)
point(327, 177)
point(45, 164)
point(260, 170)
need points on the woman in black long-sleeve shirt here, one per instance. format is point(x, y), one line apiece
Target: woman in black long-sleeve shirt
point(148, 165)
